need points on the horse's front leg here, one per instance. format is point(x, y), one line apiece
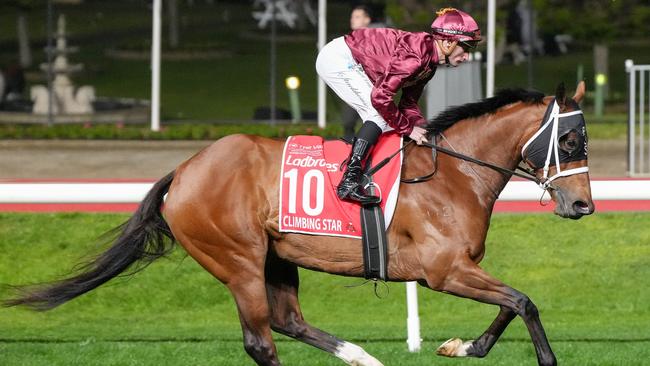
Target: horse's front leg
point(455, 347)
point(468, 280)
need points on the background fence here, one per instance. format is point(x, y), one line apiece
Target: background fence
point(638, 119)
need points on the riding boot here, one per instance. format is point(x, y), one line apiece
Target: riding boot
point(350, 187)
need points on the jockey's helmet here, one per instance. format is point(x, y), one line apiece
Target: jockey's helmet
point(456, 25)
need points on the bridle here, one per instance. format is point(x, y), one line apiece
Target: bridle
point(552, 149)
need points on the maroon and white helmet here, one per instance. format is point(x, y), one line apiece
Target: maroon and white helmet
point(456, 25)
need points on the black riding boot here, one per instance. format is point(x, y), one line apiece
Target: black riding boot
point(350, 187)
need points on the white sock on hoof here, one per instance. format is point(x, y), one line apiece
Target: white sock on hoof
point(454, 347)
point(355, 355)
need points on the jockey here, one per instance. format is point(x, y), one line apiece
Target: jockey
point(367, 67)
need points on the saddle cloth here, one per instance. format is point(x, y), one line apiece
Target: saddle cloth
point(309, 176)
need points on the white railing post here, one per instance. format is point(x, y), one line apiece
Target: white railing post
point(629, 68)
point(322, 39)
point(489, 78)
point(413, 318)
point(155, 66)
point(638, 144)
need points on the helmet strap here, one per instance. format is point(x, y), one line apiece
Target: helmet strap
point(447, 48)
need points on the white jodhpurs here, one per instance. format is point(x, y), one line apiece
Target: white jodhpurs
point(336, 66)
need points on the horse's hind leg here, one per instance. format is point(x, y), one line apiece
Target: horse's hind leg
point(286, 318)
point(245, 280)
point(470, 281)
point(254, 316)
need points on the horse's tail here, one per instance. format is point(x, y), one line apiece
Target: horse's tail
point(143, 238)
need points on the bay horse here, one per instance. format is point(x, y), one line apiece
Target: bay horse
point(222, 206)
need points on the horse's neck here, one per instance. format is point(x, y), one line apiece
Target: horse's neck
point(496, 139)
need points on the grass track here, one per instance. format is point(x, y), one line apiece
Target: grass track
point(231, 354)
point(586, 278)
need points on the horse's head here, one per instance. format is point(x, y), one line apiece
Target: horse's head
point(558, 154)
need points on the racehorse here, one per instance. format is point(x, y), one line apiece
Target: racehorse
point(222, 207)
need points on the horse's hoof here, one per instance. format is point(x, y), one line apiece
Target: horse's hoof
point(454, 348)
point(354, 355)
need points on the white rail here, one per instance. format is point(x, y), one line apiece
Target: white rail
point(135, 192)
point(73, 192)
point(608, 190)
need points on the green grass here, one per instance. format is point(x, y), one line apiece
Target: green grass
point(292, 353)
point(587, 278)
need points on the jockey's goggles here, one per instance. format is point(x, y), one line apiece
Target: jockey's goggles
point(468, 45)
point(455, 32)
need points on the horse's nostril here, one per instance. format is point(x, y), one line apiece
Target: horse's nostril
point(581, 207)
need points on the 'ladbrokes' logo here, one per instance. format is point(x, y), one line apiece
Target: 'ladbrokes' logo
point(309, 162)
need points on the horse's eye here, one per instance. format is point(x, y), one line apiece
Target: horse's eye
point(569, 142)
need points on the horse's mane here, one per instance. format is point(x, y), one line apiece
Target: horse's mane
point(489, 105)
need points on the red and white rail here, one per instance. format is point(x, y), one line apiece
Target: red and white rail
point(123, 196)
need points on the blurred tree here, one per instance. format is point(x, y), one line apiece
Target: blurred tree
point(172, 12)
point(586, 20)
point(639, 20)
point(598, 21)
point(418, 14)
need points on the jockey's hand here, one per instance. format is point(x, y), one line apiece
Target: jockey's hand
point(418, 135)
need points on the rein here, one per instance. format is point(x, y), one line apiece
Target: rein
point(526, 173)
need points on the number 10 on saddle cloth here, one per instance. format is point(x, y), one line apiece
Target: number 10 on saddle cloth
point(309, 176)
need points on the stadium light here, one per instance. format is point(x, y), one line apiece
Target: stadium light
point(293, 84)
point(599, 97)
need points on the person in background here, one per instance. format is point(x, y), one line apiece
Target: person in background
point(360, 17)
point(368, 66)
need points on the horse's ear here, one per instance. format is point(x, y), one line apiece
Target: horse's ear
point(580, 92)
point(560, 95)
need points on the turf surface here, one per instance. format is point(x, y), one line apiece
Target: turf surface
point(587, 278)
